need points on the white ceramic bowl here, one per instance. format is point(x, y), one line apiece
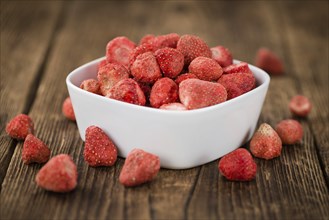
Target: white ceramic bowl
point(182, 139)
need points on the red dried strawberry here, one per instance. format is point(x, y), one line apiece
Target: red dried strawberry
point(205, 69)
point(238, 165)
point(145, 68)
point(146, 39)
point(237, 84)
point(192, 47)
point(265, 143)
point(170, 60)
point(127, 90)
point(164, 91)
point(99, 149)
point(139, 167)
point(67, 109)
point(20, 126)
point(58, 175)
point(222, 56)
point(118, 51)
point(109, 75)
point(196, 93)
point(269, 61)
point(290, 131)
point(91, 85)
point(167, 40)
point(176, 106)
point(184, 76)
point(34, 150)
point(241, 67)
point(300, 105)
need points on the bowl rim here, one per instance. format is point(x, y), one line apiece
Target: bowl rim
point(76, 88)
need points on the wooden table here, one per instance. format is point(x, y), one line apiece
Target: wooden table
point(41, 42)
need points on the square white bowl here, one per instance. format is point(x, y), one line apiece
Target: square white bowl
point(182, 139)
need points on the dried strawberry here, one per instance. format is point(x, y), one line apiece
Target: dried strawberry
point(99, 149)
point(266, 143)
point(118, 51)
point(192, 47)
point(222, 55)
point(127, 90)
point(91, 85)
point(184, 76)
point(143, 48)
point(164, 91)
point(139, 167)
point(34, 150)
point(237, 84)
point(176, 106)
point(109, 75)
point(170, 60)
point(300, 105)
point(238, 165)
point(167, 40)
point(145, 68)
point(241, 67)
point(59, 174)
point(67, 109)
point(20, 126)
point(196, 93)
point(146, 39)
point(269, 61)
point(205, 68)
point(290, 131)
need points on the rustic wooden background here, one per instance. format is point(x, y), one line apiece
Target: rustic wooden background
point(41, 42)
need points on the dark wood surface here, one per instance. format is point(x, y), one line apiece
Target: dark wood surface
point(41, 42)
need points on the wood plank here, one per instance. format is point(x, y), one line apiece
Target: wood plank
point(25, 37)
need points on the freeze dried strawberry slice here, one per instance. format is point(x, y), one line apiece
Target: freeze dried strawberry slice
point(164, 91)
point(118, 51)
point(205, 68)
point(139, 167)
point(99, 149)
point(59, 174)
point(91, 85)
point(300, 105)
point(127, 90)
point(192, 47)
point(170, 60)
point(241, 67)
point(266, 143)
point(196, 93)
point(20, 126)
point(67, 109)
point(145, 68)
point(237, 84)
point(109, 75)
point(238, 166)
point(222, 55)
point(269, 61)
point(34, 150)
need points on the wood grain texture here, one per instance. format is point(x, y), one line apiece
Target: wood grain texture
point(293, 186)
point(25, 40)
